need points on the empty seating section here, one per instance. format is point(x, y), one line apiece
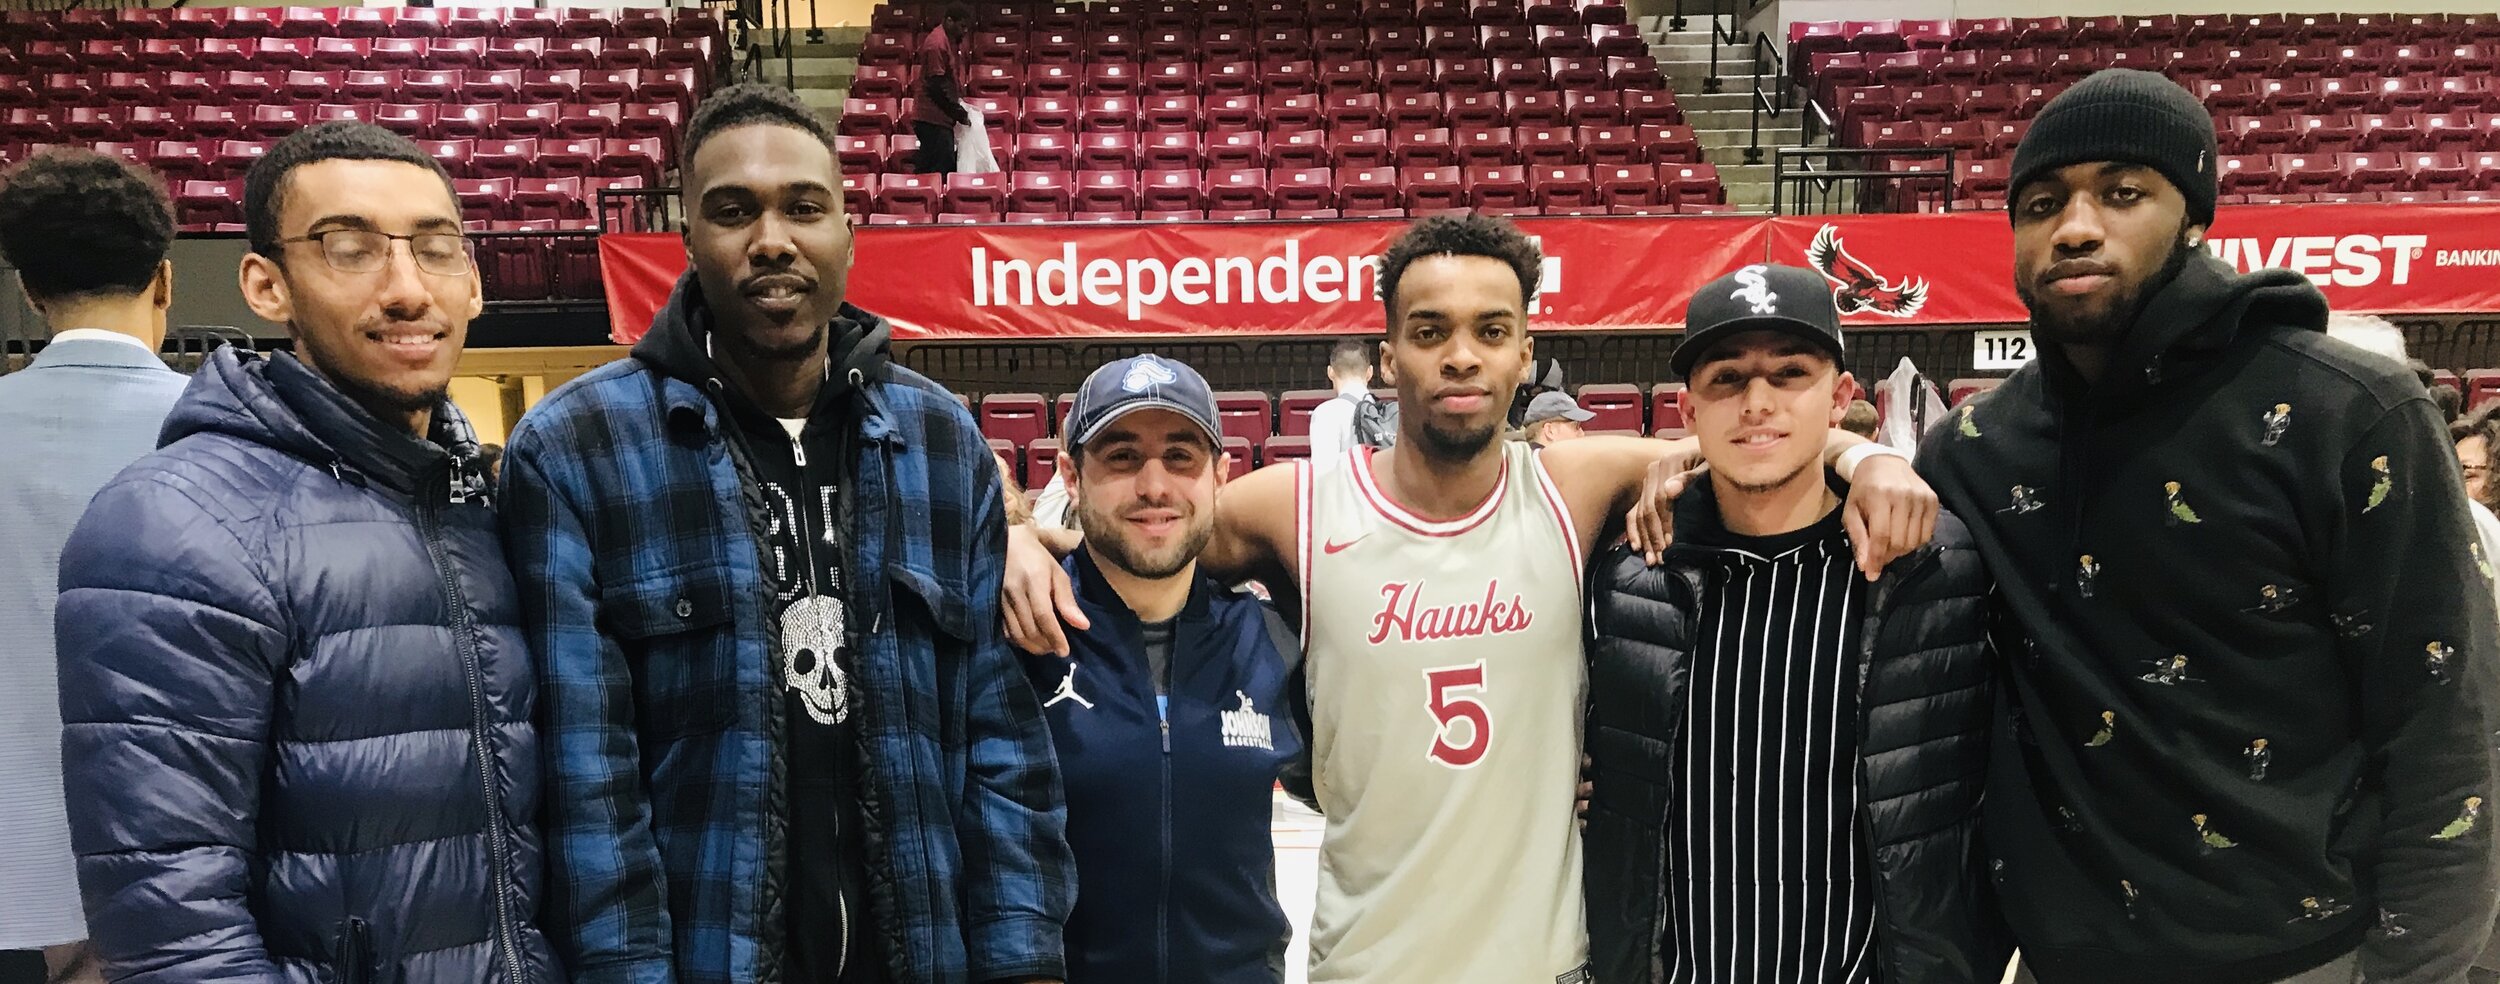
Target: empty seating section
point(1240, 109)
point(533, 111)
point(2308, 107)
point(1260, 430)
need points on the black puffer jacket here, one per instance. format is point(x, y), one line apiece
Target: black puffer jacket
point(1925, 698)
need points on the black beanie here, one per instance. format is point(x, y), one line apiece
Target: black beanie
point(2122, 114)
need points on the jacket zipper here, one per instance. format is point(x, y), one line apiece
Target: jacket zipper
point(1163, 911)
point(355, 946)
point(1878, 606)
point(807, 555)
point(463, 632)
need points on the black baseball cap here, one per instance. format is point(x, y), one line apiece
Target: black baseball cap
point(1142, 382)
point(1761, 297)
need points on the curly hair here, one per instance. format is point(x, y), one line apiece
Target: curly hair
point(749, 103)
point(76, 223)
point(1460, 235)
point(264, 186)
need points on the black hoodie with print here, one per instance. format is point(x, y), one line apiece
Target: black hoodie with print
point(2250, 639)
point(799, 483)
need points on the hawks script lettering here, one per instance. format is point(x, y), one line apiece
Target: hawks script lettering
point(1404, 617)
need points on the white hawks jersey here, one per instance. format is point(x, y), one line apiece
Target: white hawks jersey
point(1446, 686)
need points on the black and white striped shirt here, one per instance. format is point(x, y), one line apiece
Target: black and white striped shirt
point(1768, 882)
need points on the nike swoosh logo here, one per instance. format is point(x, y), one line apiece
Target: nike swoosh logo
point(1332, 546)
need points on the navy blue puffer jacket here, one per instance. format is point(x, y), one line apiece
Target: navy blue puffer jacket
point(287, 642)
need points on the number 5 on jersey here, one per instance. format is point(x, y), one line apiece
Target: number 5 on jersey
point(1450, 708)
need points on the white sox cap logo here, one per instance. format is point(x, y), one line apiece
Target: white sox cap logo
point(1756, 290)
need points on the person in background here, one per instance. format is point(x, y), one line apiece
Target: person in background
point(2248, 643)
point(1333, 422)
point(490, 458)
point(300, 738)
point(1173, 850)
point(1019, 505)
point(1545, 375)
point(1786, 757)
point(1554, 418)
point(1054, 504)
point(939, 108)
point(87, 235)
point(760, 565)
point(1861, 419)
point(2477, 439)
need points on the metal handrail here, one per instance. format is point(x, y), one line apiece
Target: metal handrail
point(1782, 171)
point(650, 210)
point(1767, 65)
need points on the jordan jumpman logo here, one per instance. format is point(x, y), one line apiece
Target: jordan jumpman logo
point(1067, 690)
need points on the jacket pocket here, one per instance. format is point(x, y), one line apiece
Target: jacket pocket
point(354, 946)
point(677, 629)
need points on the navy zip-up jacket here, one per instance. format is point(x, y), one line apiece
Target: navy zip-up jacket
point(1176, 872)
point(299, 744)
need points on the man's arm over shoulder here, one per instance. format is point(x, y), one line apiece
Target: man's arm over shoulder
point(1256, 527)
point(1019, 875)
point(2403, 563)
point(170, 643)
point(607, 912)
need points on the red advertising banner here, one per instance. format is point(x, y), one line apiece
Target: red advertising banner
point(1959, 268)
point(1062, 280)
point(1045, 281)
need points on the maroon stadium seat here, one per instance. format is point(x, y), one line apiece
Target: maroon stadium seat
point(205, 203)
point(1105, 191)
point(1237, 189)
point(1114, 151)
point(1170, 191)
point(1486, 146)
point(1017, 418)
point(503, 158)
point(909, 194)
point(976, 194)
point(568, 158)
point(1044, 151)
point(1499, 186)
point(1302, 189)
point(1618, 406)
point(1170, 151)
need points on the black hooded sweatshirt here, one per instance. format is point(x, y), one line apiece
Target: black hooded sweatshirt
point(796, 497)
point(2250, 644)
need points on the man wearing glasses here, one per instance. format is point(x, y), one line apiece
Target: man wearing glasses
point(298, 712)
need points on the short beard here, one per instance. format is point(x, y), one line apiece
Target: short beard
point(1103, 537)
point(748, 349)
point(382, 402)
point(2124, 311)
point(1455, 446)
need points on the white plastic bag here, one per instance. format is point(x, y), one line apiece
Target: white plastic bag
point(972, 145)
point(1910, 405)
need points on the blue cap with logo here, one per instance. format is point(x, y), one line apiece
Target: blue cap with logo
point(1142, 382)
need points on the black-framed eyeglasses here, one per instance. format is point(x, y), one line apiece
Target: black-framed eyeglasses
point(443, 254)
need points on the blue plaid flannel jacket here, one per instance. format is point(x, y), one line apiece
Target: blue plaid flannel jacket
point(645, 599)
